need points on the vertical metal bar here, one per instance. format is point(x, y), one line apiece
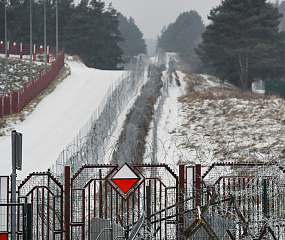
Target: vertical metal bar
point(29, 221)
point(13, 186)
point(45, 35)
point(198, 184)
point(67, 201)
point(258, 198)
point(32, 210)
point(43, 213)
point(94, 214)
point(100, 194)
point(6, 55)
point(48, 212)
point(62, 213)
point(31, 43)
point(165, 205)
point(271, 206)
point(133, 206)
point(83, 214)
point(117, 206)
point(106, 200)
point(265, 200)
point(122, 206)
point(148, 210)
point(56, 30)
point(111, 201)
point(160, 205)
point(238, 202)
point(128, 209)
point(24, 214)
point(139, 200)
point(154, 200)
point(37, 204)
point(53, 216)
point(88, 210)
point(253, 200)
point(181, 195)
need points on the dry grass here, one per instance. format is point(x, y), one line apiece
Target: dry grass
point(194, 94)
point(76, 58)
point(226, 117)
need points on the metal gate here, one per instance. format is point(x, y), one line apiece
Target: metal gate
point(94, 195)
point(228, 201)
point(45, 194)
point(90, 204)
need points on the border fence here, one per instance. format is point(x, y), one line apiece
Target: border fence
point(90, 144)
point(15, 101)
point(227, 200)
point(23, 49)
point(81, 199)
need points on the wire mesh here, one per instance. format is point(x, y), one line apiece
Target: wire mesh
point(89, 146)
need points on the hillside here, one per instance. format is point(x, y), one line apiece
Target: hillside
point(57, 119)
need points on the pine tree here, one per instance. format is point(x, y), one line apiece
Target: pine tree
point(183, 37)
point(132, 38)
point(243, 43)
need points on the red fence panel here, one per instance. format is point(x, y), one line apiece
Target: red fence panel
point(6, 105)
point(1, 106)
point(15, 50)
point(16, 101)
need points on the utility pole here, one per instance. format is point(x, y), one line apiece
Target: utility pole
point(31, 42)
point(45, 35)
point(56, 30)
point(6, 56)
point(16, 165)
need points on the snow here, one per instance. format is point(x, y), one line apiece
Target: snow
point(216, 120)
point(201, 127)
point(58, 118)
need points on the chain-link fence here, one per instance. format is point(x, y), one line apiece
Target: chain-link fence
point(89, 146)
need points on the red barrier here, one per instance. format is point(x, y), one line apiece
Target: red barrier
point(22, 49)
point(6, 105)
point(1, 109)
point(17, 100)
point(14, 102)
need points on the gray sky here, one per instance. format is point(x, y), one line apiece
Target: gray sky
point(152, 15)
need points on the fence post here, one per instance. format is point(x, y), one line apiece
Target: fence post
point(181, 196)
point(148, 211)
point(67, 201)
point(265, 210)
point(29, 221)
point(198, 184)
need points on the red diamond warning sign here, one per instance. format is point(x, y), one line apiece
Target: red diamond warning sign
point(125, 178)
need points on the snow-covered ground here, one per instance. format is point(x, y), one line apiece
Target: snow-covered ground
point(203, 121)
point(57, 119)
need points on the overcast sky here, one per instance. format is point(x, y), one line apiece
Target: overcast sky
point(152, 15)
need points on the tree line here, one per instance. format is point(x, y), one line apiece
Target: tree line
point(90, 30)
point(241, 44)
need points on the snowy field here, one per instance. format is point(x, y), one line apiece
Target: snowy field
point(203, 121)
point(57, 119)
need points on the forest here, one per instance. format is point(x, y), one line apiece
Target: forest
point(91, 30)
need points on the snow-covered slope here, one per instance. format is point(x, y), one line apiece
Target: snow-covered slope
point(57, 119)
point(205, 120)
